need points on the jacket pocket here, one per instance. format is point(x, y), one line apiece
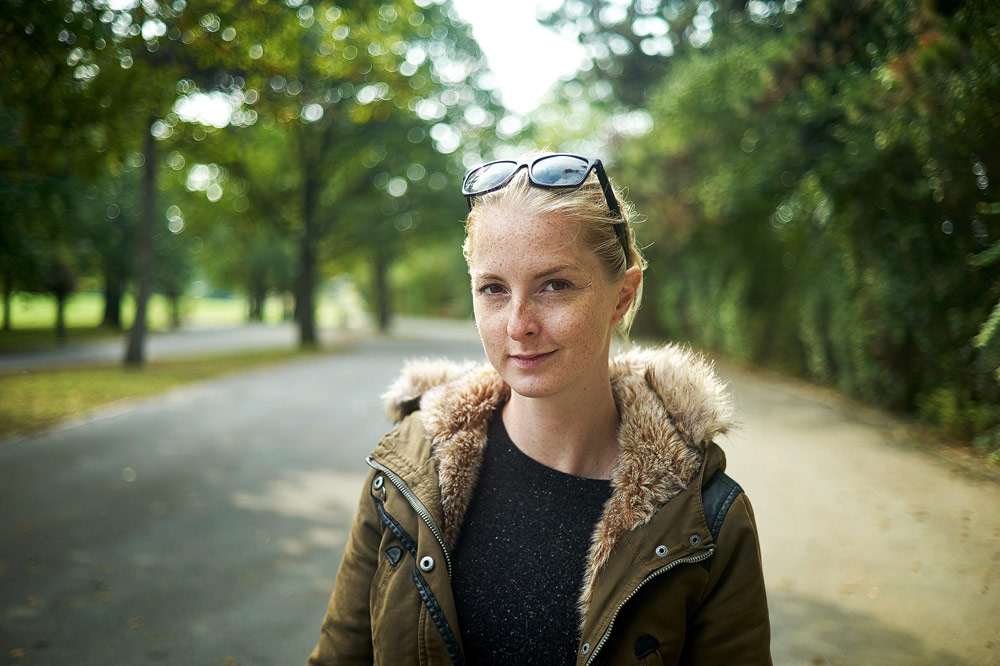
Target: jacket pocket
point(647, 651)
point(388, 563)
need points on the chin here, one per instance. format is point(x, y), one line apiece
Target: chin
point(537, 386)
point(532, 390)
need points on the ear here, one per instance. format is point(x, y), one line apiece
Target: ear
point(626, 293)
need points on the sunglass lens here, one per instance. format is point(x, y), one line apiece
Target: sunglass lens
point(560, 170)
point(487, 177)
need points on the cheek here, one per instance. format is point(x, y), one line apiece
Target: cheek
point(590, 322)
point(486, 320)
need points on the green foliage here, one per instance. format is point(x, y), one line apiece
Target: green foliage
point(633, 45)
point(819, 194)
point(344, 136)
point(433, 280)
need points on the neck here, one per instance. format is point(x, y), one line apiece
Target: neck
point(575, 434)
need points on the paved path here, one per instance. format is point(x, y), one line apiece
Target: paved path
point(166, 344)
point(207, 340)
point(204, 526)
point(874, 553)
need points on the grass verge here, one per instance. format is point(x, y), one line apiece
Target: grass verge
point(25, 339)
point(34, 400)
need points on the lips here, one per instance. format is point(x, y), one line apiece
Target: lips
point(530, 360)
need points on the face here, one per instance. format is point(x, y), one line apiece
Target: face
point(543, 303)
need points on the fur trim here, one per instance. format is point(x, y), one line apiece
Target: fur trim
point(670, 403)
point(418, 376)
point(456, 415)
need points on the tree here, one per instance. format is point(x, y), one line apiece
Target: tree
point(44, 164)
point(316, 92)
point(331, 89)
point(818, 188)
point(632, 44)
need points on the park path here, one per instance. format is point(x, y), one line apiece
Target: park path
point(197, 341)
point(159, 345)
point(204, 526)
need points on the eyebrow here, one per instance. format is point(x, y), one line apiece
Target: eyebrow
point(537, 276)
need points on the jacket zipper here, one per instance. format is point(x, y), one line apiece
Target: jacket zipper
point(417, 505)
point(697, 557)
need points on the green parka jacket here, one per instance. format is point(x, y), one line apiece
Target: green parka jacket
point(674, 573)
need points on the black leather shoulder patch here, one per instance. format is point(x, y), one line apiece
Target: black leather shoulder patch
point(717, 496)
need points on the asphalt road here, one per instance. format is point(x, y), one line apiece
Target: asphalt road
point(162, 345)
point(204, 526)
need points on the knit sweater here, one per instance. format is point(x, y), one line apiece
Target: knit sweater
point(521, 555)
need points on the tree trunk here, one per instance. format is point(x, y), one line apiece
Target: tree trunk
point(8, 292)
point(145, 257)
point(258, 294)
point(175, 311)
point(382, 309)
point(60, 318)
point(112, 300)
point(305, 281)
point(305, 289)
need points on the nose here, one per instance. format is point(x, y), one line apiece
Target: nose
point(522, 321)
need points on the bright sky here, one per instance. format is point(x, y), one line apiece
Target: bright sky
point(526, 57)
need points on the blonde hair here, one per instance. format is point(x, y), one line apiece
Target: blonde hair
point(585, 204)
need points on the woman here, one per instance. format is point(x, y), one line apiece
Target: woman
point(552, 506)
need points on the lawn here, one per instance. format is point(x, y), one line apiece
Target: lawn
point(33, 316)
point(85, 309)
point(34, 400)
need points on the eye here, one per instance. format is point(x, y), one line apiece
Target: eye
point(492, 288)
point(556, 285)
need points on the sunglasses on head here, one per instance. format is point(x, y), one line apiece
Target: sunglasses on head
point(552, 171)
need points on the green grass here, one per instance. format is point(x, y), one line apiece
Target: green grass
point(85, 309)
point(33, 316)
point(20, 339)
point(34, 400)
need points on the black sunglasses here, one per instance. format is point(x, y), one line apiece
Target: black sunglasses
point(554, 171)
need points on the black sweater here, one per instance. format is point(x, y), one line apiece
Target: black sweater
point(520, 558)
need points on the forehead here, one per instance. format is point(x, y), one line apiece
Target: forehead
point(503, 238)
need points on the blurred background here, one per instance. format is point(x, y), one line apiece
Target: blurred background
point(195, 187)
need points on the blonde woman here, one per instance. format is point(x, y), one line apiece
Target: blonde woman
point(554, 505)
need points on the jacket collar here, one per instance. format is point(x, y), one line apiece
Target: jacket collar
point(671, 405)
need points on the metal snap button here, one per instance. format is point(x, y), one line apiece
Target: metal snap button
point(695, 540)
point(661, 550)
point(378, 483)
point(585, 649)
point(427, 563)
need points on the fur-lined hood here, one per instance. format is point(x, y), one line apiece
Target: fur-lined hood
point(670, 401)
